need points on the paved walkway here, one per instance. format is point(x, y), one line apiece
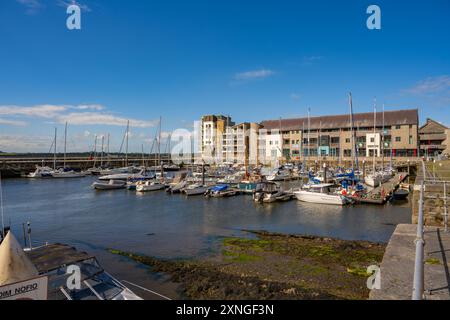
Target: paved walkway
point(397, 267)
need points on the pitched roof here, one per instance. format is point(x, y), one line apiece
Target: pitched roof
point(432, 126)
point(398, 117)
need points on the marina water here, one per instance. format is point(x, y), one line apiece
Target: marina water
point(173, 226)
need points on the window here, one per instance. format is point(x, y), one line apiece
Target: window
point(372, 140)
point(398, 139)
point(398, 127)
point(347, 140)
point(410, 139)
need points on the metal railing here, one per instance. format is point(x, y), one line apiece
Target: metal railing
point(428, 179)
point(418, 285)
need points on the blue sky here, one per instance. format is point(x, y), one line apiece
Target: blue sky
point(254, 60)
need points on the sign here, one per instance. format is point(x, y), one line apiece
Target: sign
point(33, 289)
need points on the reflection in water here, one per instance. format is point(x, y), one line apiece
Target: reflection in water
point(170, 226)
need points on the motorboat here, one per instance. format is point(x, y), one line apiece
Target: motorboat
point(195, 189)
point(220, 191)
point(48, 265)
point(41, 172)
point(320, 193)
point(268, 192)
point(111, 185)
point(149, 185)
point(400, 194)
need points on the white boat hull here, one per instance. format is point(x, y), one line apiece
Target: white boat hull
point(320, 198)
point(144, 188)
point(195, 191)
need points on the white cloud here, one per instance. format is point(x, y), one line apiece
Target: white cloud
point(431, 85)
point(95, 118)
point(42, 111)
point(19, 143)
point(12, 122)
point(295, 96)
point(66, 3)
point(96, 107)
point(255, 74)
point(32, 6)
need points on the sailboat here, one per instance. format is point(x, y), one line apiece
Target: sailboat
point(65, 172)
point(375, 178)
point(45, 171)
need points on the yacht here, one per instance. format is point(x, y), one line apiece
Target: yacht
point(41, 172)
point(320, 193)
point(268, 192)
point(149, 185)
point(195, 189)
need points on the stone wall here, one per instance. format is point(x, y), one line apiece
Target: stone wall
point(434, 209)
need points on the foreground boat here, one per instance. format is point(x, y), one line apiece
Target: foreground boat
point(321, 194)
point(49, 266)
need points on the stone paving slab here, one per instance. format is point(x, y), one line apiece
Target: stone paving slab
point(397, 267)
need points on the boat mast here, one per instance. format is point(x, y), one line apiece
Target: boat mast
point(143, 157)
point(352, 137)
point(159, 141)
point(95, 150)
point(126, 143)
point(382, 142)
point(374, 133)
point(54, 150)
point(65, 144)
point(309, 138)
point(101, 157)
point(319, 150)
point(107, 150)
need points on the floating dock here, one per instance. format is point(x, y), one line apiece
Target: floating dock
point(381, 194)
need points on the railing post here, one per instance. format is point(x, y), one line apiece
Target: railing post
point(418, 286)
point(445, 208)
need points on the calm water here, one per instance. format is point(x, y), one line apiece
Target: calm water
point(172, 226)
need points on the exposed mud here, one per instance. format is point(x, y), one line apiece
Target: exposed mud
point(274, 266)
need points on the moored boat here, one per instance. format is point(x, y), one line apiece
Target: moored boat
point(321, 194)
point(111, 185)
